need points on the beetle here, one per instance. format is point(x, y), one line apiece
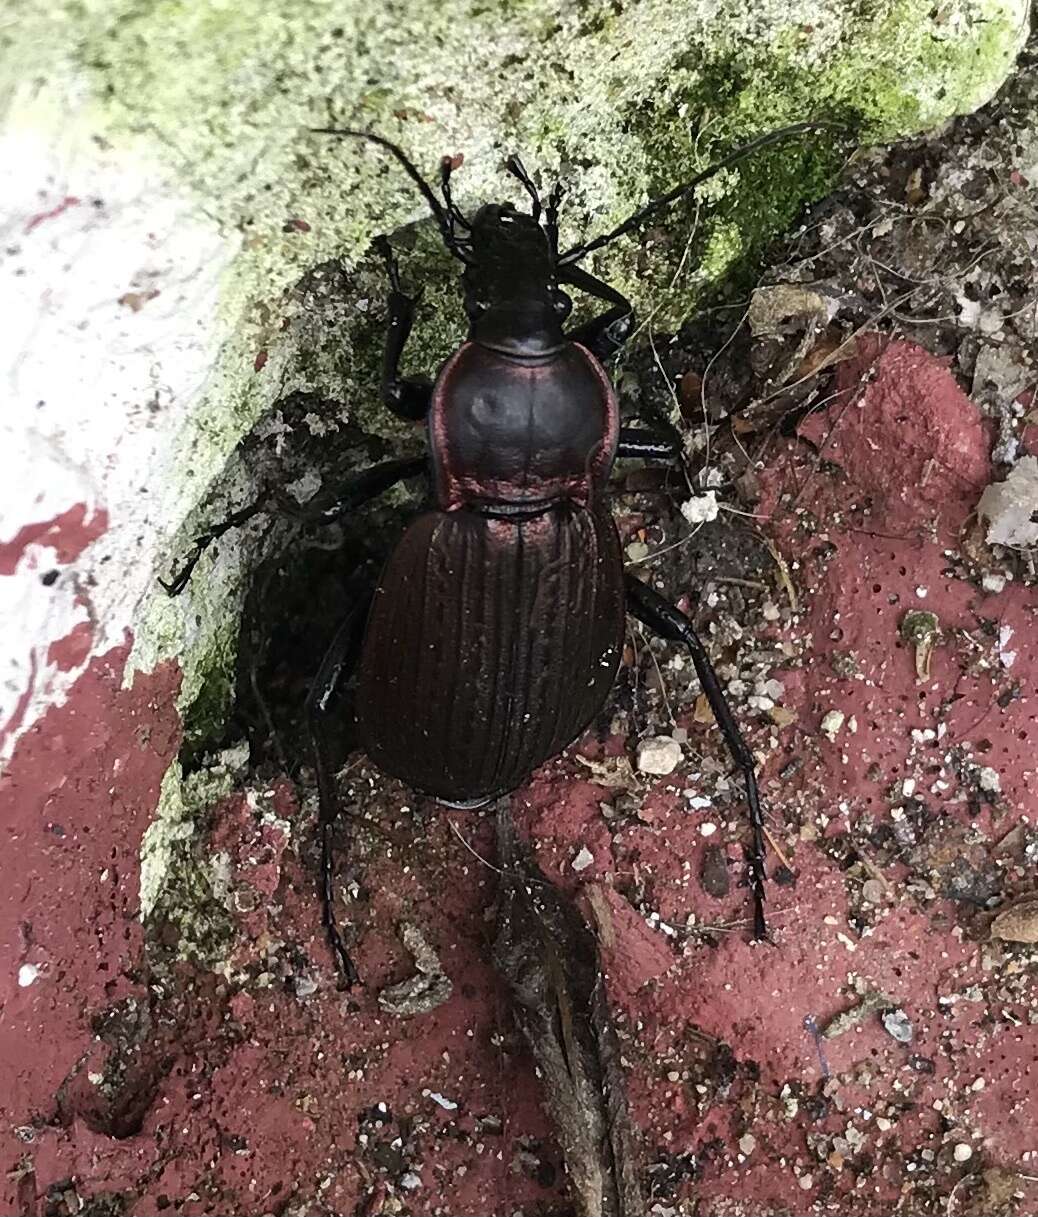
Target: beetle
point(495, 631)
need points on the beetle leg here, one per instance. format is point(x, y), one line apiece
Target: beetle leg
point(407, 396)
point(355, 492)
point(336, 663)
point(605, 335)
point(669, 622)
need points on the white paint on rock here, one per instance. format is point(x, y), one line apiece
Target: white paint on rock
point(95, 391)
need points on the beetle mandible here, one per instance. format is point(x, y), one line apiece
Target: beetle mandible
point(494, 634)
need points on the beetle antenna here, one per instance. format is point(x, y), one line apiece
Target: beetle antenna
point(650, 208)
point(435, 206)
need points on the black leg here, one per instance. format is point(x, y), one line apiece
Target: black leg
point(604, 335)
point(407, 396)
point(335, 665)
point(664, 619)
point(182, 575)
point(357, 490)
point(354, 492)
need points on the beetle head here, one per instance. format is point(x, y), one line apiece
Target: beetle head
point(511, 296)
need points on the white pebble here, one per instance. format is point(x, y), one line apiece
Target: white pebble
point(989, 780)
point(660, 755)
point(963, 1152)
point(583, 859)
point(806, 1182)
point(832, 723)
point(707, 830)
point(446, 1104)
point(701, 509)
point(27, 973)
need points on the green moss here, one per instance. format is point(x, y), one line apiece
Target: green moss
point(183, 887)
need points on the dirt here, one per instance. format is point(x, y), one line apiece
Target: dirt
point(877, 1056)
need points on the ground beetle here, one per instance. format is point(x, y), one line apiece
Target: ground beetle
point(495, 631)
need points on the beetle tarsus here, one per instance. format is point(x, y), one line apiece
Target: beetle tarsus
point(345, 965)
point(182, 576)
point(329, 679)
point(669, 622)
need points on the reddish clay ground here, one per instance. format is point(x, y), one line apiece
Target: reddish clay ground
point(130, 1085)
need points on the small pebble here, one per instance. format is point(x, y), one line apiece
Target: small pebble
point(989, 780)
point(963, 1152)
point(872, 891)
point(993, 583)
point(659, 755)
point(583, 859)
point(806, 1182)
point(445, 1103)
point(897, 1025)
point(27, 973)
point(411, 1181)
point(832, 723)
point(701, 509)
point(747, 1144)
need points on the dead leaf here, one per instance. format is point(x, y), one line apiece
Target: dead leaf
point(428, 988)
point(915, 192)
point(135, 301)
point(1019, 922)
point(612, 772)
point(831, 348)
point(1011, 507)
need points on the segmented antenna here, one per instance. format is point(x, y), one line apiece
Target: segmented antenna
point(651, 208)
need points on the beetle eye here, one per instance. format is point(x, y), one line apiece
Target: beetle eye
point(562, 303)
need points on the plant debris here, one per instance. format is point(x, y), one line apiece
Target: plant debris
point(549, 959)
point(428, 988)
point(1011, 507)
point(1019, 922)
point(871, 1002)
point(921, 630)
